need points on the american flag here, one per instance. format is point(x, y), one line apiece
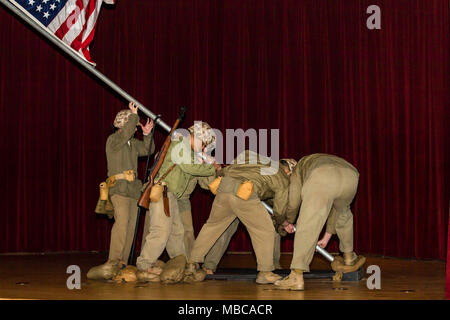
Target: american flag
point(72, 21)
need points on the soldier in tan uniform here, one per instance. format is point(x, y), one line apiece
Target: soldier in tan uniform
point(236, 199)
point(322, 186)
point(177, 170)
point(122, 152)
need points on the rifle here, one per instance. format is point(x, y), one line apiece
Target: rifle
point(144, 200)
point(139, 213)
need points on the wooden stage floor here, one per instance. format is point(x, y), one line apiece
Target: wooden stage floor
point(43, 276)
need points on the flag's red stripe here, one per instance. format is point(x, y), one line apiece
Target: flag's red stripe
point(88, 40)
point(77, 42)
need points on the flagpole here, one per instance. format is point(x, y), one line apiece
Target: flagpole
point(72, 53)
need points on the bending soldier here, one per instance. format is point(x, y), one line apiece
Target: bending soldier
point(239, 194)
point(320, 185)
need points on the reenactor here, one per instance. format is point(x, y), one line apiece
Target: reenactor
point(166, 229)
point(239, 192)
point(321, 186)
point(122, 187)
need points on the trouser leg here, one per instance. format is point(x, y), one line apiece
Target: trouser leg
point(119, 229)
point(277, 251)
point(260, 227)
point(184, 206)
point(157, 236)
point(217, 251)
point(220, 218)
point(175, 242)
point(133, 209)
point(344, 216)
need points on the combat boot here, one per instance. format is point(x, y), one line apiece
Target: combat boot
point(145, 276)
point(208, 271)
point(104, 271)
point(267, 277)
point(292, 282)
point(151, 274)
point(350, 258)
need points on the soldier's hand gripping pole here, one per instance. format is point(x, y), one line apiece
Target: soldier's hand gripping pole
point(319, 249)
point(139, 212)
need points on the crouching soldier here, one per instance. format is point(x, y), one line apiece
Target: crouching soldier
point(320, 185)
point(216, 253)
point(166, 229)
point(239, 194)
point(124, 189)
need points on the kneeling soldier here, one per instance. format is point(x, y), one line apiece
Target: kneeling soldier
point(124, 189)
point(166, 228)
point(319, 185)
point(239, 194)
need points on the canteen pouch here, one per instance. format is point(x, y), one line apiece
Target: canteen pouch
point(214, 185)
point(245, 190)
point(104, 205)
point(156, 192)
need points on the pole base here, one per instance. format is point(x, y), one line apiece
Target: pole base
point(238, 274)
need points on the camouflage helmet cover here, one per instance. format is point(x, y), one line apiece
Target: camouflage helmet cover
point(121, 118)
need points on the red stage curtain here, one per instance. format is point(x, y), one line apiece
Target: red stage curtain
point(378, 98)
point(447, 283)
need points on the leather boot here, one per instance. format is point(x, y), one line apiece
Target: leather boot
point(267, 277)
point(292, 282)
point(350, 258)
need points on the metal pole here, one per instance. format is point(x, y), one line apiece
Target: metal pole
point(72, 53)
point(319, 249)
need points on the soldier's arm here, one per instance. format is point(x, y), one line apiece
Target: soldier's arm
point(331, 222)
point(142, 146)
point(204, 182)
point(120, 138)
point(279, 204)
point(202, 170)
point(294, 197)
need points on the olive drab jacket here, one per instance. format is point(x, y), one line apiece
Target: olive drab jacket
point(271, 186)
point(301, 173)
point(178, 179)
point(122, 152)
point(184, 203)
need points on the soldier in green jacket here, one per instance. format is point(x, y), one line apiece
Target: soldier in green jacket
point(122, 152)
point(231, 203)
point(322, 186)
point(177, 170)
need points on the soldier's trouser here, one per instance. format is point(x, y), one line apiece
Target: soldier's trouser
point(226, 207)
point(184, 206)
point(219, 248)
point(122, 232)
point(327, 187)
point(163, 232)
